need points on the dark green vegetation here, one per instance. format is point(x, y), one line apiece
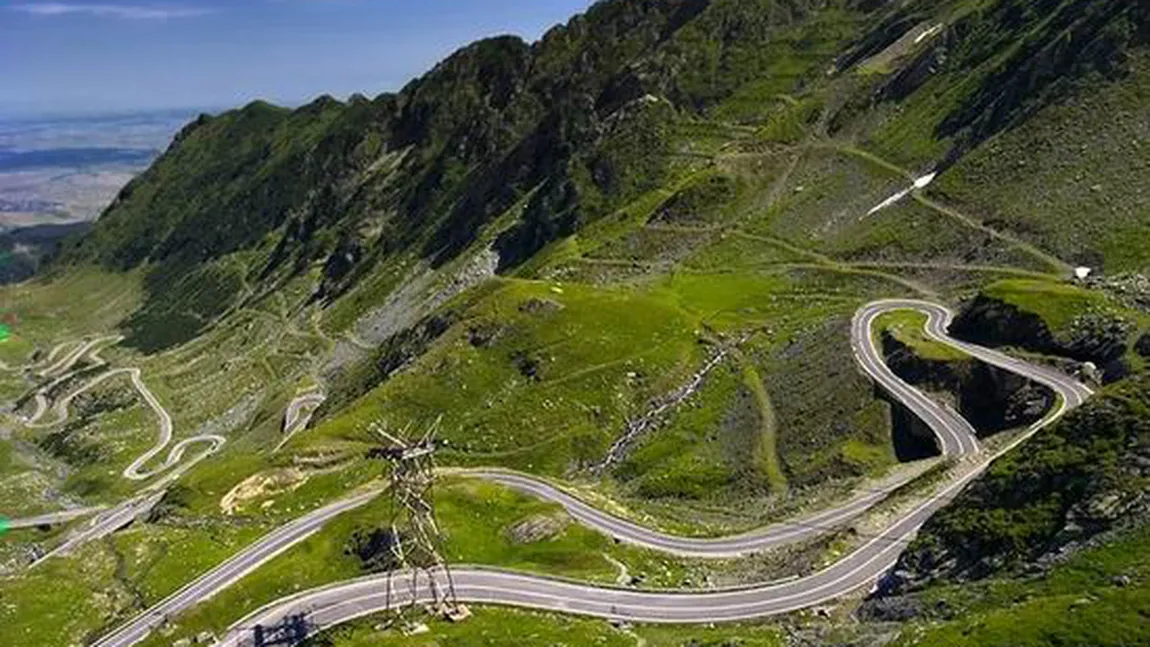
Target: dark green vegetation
point(1084, 477)
point(573, 127)
point(1098, 596)
point(624, 257)
point(1057, 319)
point(1051, 540)
point(992, 399)
point(23, 250)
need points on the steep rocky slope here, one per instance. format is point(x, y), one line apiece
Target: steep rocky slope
point(571, 128)
point(626, 256)
point(565, 124)
point(990, 398)
point(1086, 477)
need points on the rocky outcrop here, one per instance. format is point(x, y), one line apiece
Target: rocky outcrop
point(1084, 477)
point(990, 398)
point(1092, 337)
point(350, 381)
point(992, 322)
point(696, 204)
point(537, 528)
point(924, 66)
point(1143, 345)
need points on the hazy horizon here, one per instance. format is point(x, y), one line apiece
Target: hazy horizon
point(93, 59)
point(60, 170)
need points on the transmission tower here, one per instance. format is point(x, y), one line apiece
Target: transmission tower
point(415, 542)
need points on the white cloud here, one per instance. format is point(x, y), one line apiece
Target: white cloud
point(130, 12)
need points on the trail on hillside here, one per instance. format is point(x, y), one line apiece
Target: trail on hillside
point(336, 603)
point(62, 371)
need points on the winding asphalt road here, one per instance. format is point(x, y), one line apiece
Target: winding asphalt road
point(61, 371)
point(787, 532)
point(122, 514)
point(227, 573)
point(105, 523)
point(53, 518)
point(91, 349)
point(298, 414)
point(338, 603)
point(955, 436)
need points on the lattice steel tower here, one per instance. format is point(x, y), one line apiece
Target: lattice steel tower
point(415, 542)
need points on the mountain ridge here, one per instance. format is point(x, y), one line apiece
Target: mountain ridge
point(655, 221)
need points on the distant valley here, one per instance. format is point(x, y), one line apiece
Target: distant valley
point(57, 174)
point(56, 170)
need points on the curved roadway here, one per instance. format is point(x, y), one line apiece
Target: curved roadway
point(298, 414)
point(787, 532)
point(91, 349)
point(955, 436)
point(53, 518)
point(110, 520)
point(338, 603)
point(227, 573)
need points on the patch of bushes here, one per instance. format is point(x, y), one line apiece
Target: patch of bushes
point(1143, 345)
point(374, 549)
point(1086, 474)
point(181, 306)
point(71, 448)
point(698, 203)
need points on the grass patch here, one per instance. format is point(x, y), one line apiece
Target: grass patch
point(909, 327)
point(488, 627)
point(492, 626)
point(766, 453)
point(1058, 304)
point(1099, 597)
point(548, 372)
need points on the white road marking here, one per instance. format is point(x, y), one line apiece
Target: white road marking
point(339, 602)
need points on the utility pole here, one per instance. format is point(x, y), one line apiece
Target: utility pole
point(415, 541)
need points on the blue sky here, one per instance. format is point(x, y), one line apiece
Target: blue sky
point(81, 56)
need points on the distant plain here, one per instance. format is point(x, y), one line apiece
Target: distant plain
point(59, 170)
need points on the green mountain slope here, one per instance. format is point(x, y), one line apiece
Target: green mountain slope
point(625, 257)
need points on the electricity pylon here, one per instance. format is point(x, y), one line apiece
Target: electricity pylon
point(415, 541)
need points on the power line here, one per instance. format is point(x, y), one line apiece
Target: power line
point(414, 540)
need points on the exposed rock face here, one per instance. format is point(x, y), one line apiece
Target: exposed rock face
point(540, 527)
point(1102, 339)
point(1076, 482)
point(994, 323)
point(994, 399)
point(394, 354)
point(920, 70)
point(991, 398)
point(1092, 337)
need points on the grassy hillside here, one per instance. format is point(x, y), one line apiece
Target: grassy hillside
point(1046, 549)
point(625, 258)
point(1097, 326)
